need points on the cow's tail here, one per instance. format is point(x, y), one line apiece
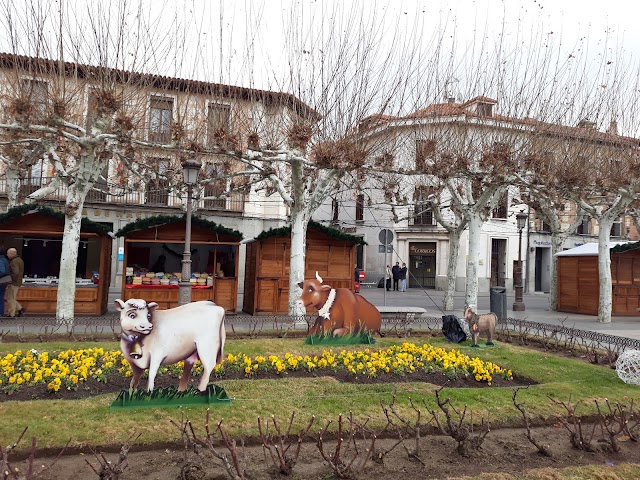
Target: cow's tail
point(223, 336)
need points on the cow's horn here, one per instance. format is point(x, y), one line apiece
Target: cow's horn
point(319, 277)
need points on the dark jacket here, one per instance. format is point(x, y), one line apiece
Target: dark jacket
point(4, 266)
point(396, 272)
point(17, 271)
point(403, 273)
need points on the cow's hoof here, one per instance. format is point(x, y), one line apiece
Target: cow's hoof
point(475, 346)
point(490, 344)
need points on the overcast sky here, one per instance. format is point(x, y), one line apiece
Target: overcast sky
point(280, 44)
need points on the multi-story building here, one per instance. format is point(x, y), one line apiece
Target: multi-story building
point(401, 205)
point(159, 107)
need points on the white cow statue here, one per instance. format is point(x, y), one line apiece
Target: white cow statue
point(151, 338)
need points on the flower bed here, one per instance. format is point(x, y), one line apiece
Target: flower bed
point(67, 369)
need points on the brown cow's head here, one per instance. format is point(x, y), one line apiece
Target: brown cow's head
point(314, 292)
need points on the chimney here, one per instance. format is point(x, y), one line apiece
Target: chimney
point(613, 128)
point(585, 123)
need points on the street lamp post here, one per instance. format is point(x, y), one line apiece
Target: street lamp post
point(518, 305)
point(190, 169)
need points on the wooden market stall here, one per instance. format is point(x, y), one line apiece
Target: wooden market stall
point(153, 249)
point(578, 280)
point(36, 232)
point(330, 252)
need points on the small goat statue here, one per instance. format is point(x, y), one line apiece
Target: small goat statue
point(480, 323)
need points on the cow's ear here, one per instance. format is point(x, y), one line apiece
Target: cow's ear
point(119, 304)
point(325, 287)
point(301, 284)
point(152, 306)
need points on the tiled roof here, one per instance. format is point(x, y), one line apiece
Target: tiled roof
point(38, 65)
point(539, 126)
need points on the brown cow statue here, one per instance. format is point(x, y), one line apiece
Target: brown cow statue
point(340, 310)
point(480, 323)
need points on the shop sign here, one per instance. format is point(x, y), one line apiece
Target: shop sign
point(422, 249)
point(540, 242)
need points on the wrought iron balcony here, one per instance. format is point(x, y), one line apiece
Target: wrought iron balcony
point(153, 196)
point(420, 217)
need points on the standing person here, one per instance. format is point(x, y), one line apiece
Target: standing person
point(395, 271)
point(403, 277)
point(388, 278)
point(5, 278)
point(16, 267)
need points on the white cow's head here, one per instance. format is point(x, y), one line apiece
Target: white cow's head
point(135, 315)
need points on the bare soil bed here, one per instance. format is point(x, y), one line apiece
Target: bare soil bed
point(505, 450)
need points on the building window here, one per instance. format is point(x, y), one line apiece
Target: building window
point(34, 179)
point(216, 189)
point(360, 208)
point(157, 188)
point(101, 186)
point(484, 109)
point(584, 227)
point(425, 150)
point(616, 228)
point(335, 209)
point(218, 120)
point(501, 209)
point(544, 226)
point(160, 119)
point(37, 91)
point(422, 213)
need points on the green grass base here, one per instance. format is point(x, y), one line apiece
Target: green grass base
point(171, 397)
point(357, 339)
point(480, 345)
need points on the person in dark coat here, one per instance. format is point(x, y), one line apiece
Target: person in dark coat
point(395, 271)
point(4, 275)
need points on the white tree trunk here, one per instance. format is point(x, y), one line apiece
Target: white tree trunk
point(299, 222)
point(13, 186)
point(475, 229)
point(604, 269)
point(454, 250)
point(69, 257)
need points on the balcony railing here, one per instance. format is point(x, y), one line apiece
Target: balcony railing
point(421, 218)
point(125, 196)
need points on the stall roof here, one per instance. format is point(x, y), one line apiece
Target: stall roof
point(313, 225)
point(159, 220)
point(586, 250)
point(625, 247)
point(13, 213)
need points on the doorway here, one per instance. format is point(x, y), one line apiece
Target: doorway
point(422, 265)
point(543, 269)
point(498, 262)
